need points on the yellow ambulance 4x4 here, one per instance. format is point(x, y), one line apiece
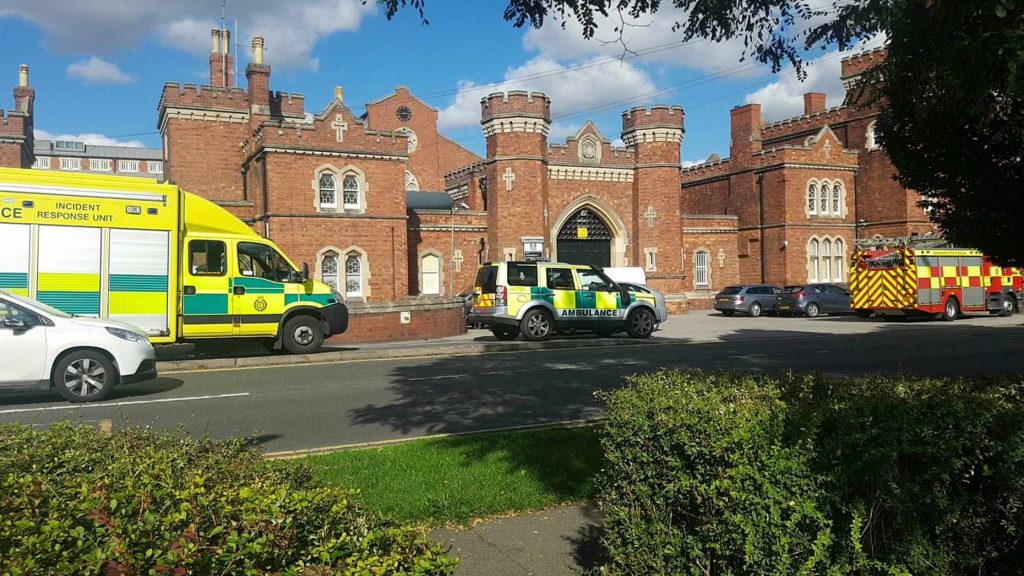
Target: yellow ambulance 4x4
point(538, 299)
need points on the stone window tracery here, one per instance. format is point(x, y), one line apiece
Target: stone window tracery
point(328, 191)
point(353, 275)
point(351, 191)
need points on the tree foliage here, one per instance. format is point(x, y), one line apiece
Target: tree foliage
point(953, 121)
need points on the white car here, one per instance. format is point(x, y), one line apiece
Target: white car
point(83, 358)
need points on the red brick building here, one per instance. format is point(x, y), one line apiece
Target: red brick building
point(398, 216)
point(804, 189)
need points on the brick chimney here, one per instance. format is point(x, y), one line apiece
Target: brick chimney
point(746, 133)
point(24, 94)
point(814, 102)
point(222, 62)
point(258, 75)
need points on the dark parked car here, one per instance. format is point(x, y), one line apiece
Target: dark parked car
point(750, 299)
point(812, 300)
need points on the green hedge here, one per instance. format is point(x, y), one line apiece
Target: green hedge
point(76, 501)
point(723, 473)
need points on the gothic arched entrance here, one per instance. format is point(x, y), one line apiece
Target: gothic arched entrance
point(585, 239)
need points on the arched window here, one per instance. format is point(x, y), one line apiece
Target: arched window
point(353, 276)
point(838, 249)
point(823, 200)
point(870, 137)
point(411, 183)
point(328, 191)
point(430, 269)
point(701, 268)
point(329, 270)
point(350, 191)
point(812, 199)
point(837, 200)
point(826, 261)
point(812, 261)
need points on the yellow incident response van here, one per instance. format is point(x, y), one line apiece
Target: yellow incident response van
point(174, 264)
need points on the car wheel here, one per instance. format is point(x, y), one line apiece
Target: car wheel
point(1007, 307)
point(755, 310)
point(505, 333)
point(302, 335)
point(536, 325)
point(84, 376)
point(812, 310)
point(728, 312)
point(951, 310)
point(640, 323)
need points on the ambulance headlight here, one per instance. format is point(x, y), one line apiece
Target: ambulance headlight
point(127, 335)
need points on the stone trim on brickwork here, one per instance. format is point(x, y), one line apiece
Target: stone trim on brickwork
point(335, 153)
point(506, 124)
point(200, 114)
point(711, 230)
point(330, 215)
point(620, 234)
point(650, 135)
point(441, 267)
point(560, 172)
point(339, 180)
point(364, 272)
point(442, 228)
point(818, 184)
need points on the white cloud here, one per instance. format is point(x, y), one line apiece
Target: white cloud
point(784, 98)
point(290, 28)
point(88, 138)
point(97, 71)
point(557, 43)
point(588, 88)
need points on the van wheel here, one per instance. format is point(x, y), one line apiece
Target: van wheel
point(84, 376)
point(505, 333)
point(951, 310)
point(536, 325)
point(302, 335)
point(640, 323)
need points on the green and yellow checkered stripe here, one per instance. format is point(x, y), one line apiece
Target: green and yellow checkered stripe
point(16, 282)
point(138, 294)
point(74, 293)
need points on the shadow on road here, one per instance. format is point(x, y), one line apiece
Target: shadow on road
point(123, 392)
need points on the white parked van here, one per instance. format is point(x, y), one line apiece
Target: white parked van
point(83, 358)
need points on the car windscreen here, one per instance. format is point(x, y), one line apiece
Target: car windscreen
point(793, 289)
point(487, 279)
point(732, 290)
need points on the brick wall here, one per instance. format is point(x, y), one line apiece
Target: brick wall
point(428, 318)
point(430, 232)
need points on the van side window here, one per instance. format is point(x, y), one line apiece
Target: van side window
point(207, 258)
point(560, 279)
point(262, 261)
point(522, 274)
point(591, 280)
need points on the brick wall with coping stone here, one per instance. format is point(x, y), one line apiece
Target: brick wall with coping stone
point(428, 318)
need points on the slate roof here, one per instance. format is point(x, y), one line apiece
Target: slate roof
point(419, 200)
point(48, 148)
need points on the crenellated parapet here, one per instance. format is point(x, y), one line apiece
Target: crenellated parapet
point(712, 168)
point(659, 123)
point(515, 111)
point(790, 126)
point(288, 104)
point(206, 97)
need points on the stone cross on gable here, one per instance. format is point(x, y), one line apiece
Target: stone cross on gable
point(721, 258)
point(828, 149)
point(509, 178)
point(340, 126)
point(650, 215)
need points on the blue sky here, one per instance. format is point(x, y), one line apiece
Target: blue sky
point(98, 67)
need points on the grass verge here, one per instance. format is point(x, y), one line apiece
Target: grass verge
point(456, 479)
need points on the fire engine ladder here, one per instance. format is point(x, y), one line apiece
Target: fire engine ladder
point(918, 242)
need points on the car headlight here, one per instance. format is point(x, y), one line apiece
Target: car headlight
point(128, 335)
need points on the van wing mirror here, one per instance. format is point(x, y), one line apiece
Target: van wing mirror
point(305, 271)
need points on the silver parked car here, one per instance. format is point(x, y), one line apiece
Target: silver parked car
point(750, 299)
point(812, 300)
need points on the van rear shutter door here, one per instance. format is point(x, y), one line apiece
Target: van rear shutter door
point(138, 279)
point(69, 269)
point(14, 258)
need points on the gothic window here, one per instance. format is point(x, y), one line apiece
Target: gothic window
point(823, 200)
point(812, 199)
point(837, 200)
point(329, 270)
point(826, 261)
point(328, 191)
point(411, 138)
point(350, 191)
point(837, 248)
point(870, 138)
point(353, 276)
point(812, 260)
point(430, 266)
point(411, 183)
point(701, 268)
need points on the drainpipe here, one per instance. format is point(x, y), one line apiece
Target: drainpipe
point(760, 225)
point(266, 200)
point(856, 208)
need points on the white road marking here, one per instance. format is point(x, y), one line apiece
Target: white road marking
point(115, 404)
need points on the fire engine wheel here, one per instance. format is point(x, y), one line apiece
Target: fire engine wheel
point(951, 310)
point(505, 333)
point(812, 310)
point(755, 310)
point(536, 325)
point(864, 313)
point(1008, 307)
